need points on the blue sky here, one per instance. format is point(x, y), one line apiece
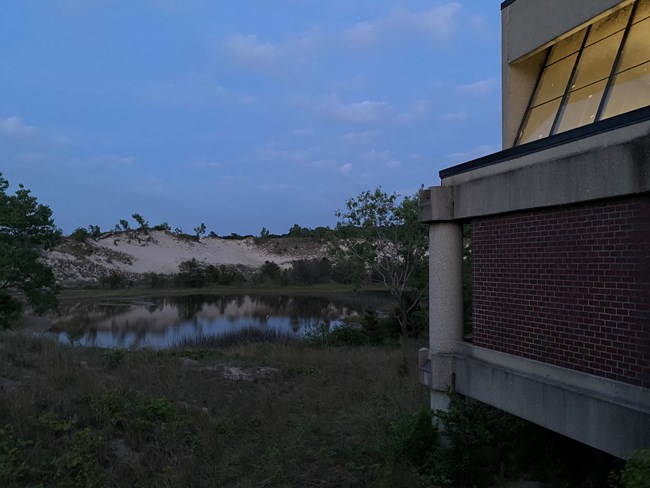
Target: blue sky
point(241, 114)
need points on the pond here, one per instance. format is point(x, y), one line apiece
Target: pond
point(162, 322)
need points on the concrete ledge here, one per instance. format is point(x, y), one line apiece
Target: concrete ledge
point(605, 414)
point(436, 204)
point(544, 180)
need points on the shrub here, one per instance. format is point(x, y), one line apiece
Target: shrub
point(114, 279)
point(636, 473)
point(479, 436)
point(339, 335)
point(415, 436)
point(80, 234)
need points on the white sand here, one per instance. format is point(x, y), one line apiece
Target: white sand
point(162, 252)
point(137, 252)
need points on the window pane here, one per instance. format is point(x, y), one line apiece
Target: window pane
point(554, 80)
point(582, 106)
point(539, 122)
point(637, 46)
point(566, 46)
point(596, 61)
point(642, 10)
point(609, 25)
point(631, 90)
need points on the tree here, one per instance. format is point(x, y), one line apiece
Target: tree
point(264, 233)
point(26, 231)
point(80, 234)
point(199, 231)
point(95, 231)
point(144, 225)
point(392, 244)
point(125, 224)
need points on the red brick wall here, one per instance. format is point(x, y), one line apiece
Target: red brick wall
point(567, 286)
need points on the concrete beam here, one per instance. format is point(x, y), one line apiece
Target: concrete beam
point(605, 414)
point(549, 179)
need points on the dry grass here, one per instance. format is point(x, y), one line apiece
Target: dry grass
point(321, 417)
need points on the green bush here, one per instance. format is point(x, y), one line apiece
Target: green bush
point(636, 473)
point(480, 438)
point(80, 234)
point(416, 436)
point(340, 335)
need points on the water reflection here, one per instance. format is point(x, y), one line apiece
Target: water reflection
point(164, 321)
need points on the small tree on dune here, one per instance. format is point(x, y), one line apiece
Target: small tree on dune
point(143, 224)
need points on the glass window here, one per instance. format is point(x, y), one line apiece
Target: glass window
point(565, 47)
point(609, 25)
point(554, 80)
point(539, 122)
point(630, 91)
point(582, 106)
point(609, 78)
point(642, 10)
point(596, 61)
point(637, 46)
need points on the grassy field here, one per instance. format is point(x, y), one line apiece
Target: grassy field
point(245, 415)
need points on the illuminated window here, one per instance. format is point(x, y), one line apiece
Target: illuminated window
point(599, 72)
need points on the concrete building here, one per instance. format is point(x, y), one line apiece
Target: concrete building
point(560, 232)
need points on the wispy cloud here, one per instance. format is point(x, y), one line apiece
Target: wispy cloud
point(480, 87)
point(109, 161)
point(417, 111)
point(271, 151)
point(346, 169)
point(380, 158)
point(477, 152)
point(454, 117)
point(304, 131)
point(274, 57)
point(208, 165)
point(366, 112)
point(192, 91)
point(15, 127)
point(438, 23)
point(359, 138)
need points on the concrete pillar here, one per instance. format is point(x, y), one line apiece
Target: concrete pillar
point(445, 287)
point(445, 296)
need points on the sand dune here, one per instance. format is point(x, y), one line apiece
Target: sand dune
point(161, 252)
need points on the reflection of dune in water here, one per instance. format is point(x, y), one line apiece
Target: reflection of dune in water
point(163, 321)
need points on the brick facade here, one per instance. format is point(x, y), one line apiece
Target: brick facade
point(568, 286)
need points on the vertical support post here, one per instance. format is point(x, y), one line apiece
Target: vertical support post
point(445, 295)
point(445, 287)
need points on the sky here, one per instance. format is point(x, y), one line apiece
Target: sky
point(241, 114)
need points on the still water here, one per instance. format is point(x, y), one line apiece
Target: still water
point(161, 322)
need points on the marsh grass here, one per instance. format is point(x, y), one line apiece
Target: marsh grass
point(324, 417)
point(245, 335)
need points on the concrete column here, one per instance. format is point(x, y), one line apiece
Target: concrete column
point(436, 208)
point(445, 298)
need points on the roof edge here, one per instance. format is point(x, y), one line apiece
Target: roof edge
point(620, 121)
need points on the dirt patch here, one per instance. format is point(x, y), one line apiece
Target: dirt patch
point(247, 374)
